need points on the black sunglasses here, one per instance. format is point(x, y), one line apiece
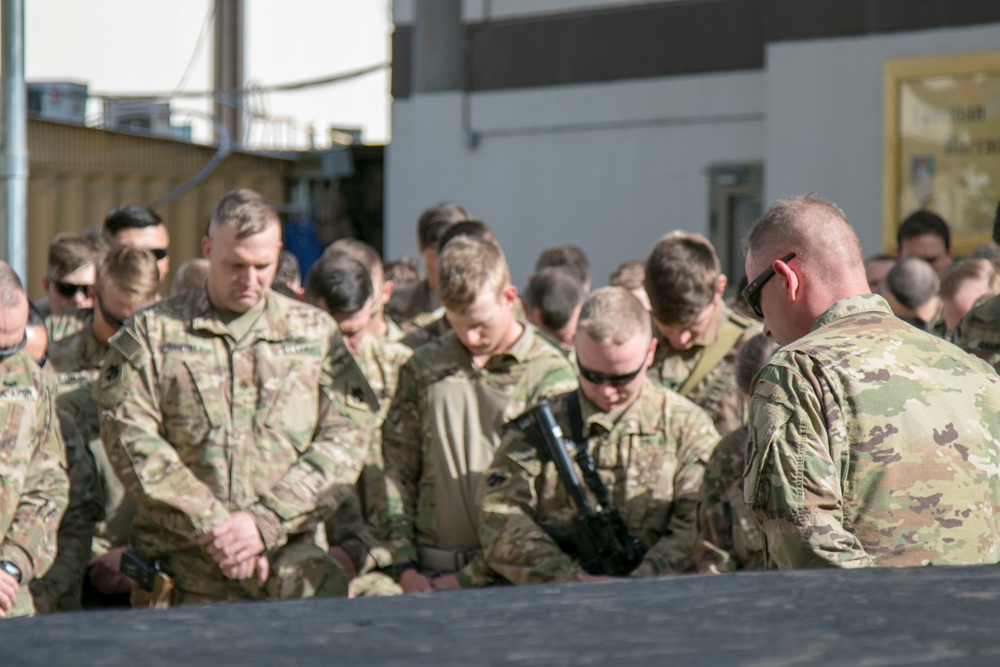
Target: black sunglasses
point(11, 351)
point(159, 253)
point(113, 320)
point(613, 380)
point(68, 290)
point(752, 292)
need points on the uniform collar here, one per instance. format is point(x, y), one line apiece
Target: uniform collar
point(853, 305)
point(596, 422)
point(271, 326)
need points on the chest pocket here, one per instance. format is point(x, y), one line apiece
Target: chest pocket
point(288, 409)
point(652, 465)
point(193, 408)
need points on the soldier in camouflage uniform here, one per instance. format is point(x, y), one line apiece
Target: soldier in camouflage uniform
point(69, 277)
point(34, 488)
point(698, 336)
point(729, 537)
point(127, 280)
point(443, 426)
point(416, 305)
point(383, 326)
point(871, 442)
point(61, 587)
point(217, 412)
point(648, 443)
point(342, 286)
point(979, 330)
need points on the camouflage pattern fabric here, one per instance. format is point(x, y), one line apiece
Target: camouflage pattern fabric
point(873, 443)
point(717, 394)
point(427, 332)
point(354, 524)
point(729, 537)
point(651, 458)
point(979, 332)
point(78, 353)
point(198, 426)
point(34, 488)
point(65, 324)
point(62, 586)
point(394, 333)
point(440, 436)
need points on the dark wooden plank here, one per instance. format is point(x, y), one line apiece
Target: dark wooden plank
point(875, 617)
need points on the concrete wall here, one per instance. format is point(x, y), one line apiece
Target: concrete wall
point(610, 167)
point(824, 116)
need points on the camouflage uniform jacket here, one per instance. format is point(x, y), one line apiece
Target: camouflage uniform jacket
point(61, 587)
point(199, 425)
point(717, 393)
point(413, 305)
point(65, 324)
point(729, 537)
point(441, 433)
point(354, 525)
point(873, 443)
point(77, 360)
point(34, 488)
point(979, 332)
point(651, 458)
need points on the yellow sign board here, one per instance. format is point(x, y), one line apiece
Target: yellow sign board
point(942, 144)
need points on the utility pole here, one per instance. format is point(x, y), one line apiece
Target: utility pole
point(14, 139)
point(228, 68)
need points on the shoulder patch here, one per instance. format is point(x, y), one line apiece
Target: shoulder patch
point(127, 343)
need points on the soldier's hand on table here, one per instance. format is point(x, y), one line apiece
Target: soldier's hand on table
point(8, 591)
point(234, 541)
point(446, 582)
point(593, 578)
point(345, 562)
point(412, 581)
point(104, 573)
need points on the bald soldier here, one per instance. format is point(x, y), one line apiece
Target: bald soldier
point(217, 414)
point(871, 442)
point(34, 489)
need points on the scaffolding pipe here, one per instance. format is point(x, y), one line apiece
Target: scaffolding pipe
point(14, 139)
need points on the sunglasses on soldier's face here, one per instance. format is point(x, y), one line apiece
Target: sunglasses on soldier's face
point(159, 253)
point(614, 380)
point(11, 351)
point(68, 290)
point(752, 292)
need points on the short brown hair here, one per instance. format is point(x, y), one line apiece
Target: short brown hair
point(69, 252)
point(190, 274)
point(567, 257)
point(682, 274)
point(969, 270)
point(244, 209)
point(131, 270)
point(435, 220)
point(467, 267)
point(630, 274)
point(360, 252)
point(613, 316)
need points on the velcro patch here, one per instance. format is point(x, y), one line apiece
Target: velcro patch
point(127, 343)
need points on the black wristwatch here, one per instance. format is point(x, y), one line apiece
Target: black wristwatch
point(11, 569)
point(398, 570)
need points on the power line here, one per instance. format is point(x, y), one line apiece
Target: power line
point(276, 88)
point(199, 45)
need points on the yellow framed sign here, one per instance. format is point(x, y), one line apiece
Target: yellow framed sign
point(942, 144)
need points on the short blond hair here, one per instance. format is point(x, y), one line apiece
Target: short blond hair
point(245, 210)
point(191, 274)
point(132, 270)
point(613, 316)
point(630, 274)
point(468, 267)
point(970, 270)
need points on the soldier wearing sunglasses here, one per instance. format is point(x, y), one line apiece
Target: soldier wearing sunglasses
point(138, 226)
point(34, 489)
point(872, 443)
point(649, 445)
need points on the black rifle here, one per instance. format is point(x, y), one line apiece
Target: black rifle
point(597, 538)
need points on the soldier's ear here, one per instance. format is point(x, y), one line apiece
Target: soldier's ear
point(206, 247)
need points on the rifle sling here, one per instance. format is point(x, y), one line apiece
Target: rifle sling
point(729, 335)
point(583, 458)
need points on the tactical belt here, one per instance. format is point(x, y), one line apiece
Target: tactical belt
point(444, 560)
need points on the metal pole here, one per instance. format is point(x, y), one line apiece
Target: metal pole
point(14, 141)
